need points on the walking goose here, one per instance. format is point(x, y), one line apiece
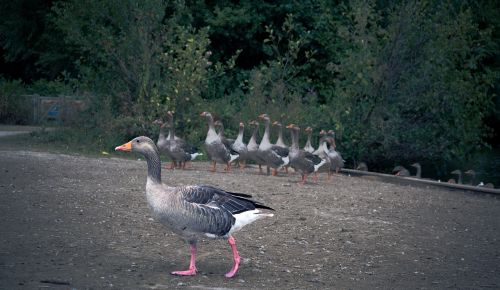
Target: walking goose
point(196, 210)
point(227, 141)
point(274, 156)
point(181, 151)
point(308, 147)
point(253, 147)
point(240, 146)
point(163, 142)
point(336, 160)
point(279, 141)
point(300, 160)
point(216, 150)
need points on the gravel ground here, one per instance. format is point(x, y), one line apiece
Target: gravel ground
point(74, 222)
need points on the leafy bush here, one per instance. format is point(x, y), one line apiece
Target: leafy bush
point(15, 105)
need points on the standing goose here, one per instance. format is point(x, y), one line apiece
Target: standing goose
point(300, 160)
point(275, 157)
point(240, 146)
point(253, 146)
point(216, 150)
point(336, 161)
point(181, 151)
point(472, 174)
point(419, 169)
point(362, 166)
point(457, 172)
point(227, 141)
point(308, 147)
point(400, 171)
point(163, 142)
point(196, 210)
point(279, 141)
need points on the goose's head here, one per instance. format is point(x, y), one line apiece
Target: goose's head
point(308, 129)
point(242, 125)
point(416, 165)
point(277, 124)
point(456, 171)
point(140, 144)
point(265, 117)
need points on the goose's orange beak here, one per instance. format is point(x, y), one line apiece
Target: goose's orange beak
point(127, 147)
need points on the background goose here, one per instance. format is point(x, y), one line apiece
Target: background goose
point(400, 171)
point(302, 161)
point(458, 173)
point(274, 156)
point(240, 146)
point(227, 141)
point(163, 142)
point(336, 161)
point(216, 150)
point(197, 210)
point(279, 142)
point(472, 176)
point(181, 151)
point(362, 166)
point(419, 169)
point(253, 146)
point(308, 147)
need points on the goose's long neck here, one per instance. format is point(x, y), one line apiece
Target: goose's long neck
point(308, 142)
point(280, 135)
point(240, 135)
point(161, 137)
point(295, 139)
point(419, 172)
point(265, 138)
point(253, 138)
point(154, 165)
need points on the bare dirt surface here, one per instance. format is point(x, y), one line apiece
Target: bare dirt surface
point(73, 222)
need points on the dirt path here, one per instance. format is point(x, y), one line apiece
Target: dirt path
point(72, 222)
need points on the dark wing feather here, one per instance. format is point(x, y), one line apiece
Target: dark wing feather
point(216, 197)
point(281, 151)
point(313, 158)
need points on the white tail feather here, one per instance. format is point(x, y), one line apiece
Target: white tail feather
point(234, 157)
point(194, 155)
point(316, 167)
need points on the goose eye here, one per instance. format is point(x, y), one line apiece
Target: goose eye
point(137, 141)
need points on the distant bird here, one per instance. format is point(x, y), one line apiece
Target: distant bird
point(336, 160)
point(419, 169)
point(274, 156)
point(216, 149)
point(240, 147)
point(472, 174)
point(308, 147)
point(181, 151)
point(253, 146)
point(301, 160)
point(458, 173)
point(163, 142)
point(279, 141)
point(362, 166)
point(400, 171)
point(197, 210)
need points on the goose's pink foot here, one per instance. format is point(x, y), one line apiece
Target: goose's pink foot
point(236, 258)
point(192, 264)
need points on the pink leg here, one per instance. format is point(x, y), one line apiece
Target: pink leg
point(192, 264)
point(236, 258)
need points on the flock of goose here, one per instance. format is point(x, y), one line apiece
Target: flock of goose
point(274, 156)
point(196, 211)
point(471, 174)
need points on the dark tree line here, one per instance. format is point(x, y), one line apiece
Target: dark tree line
point(399, 81)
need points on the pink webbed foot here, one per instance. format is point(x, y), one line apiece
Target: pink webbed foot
point(190, 272)
point(236, 258)
point(192, 264)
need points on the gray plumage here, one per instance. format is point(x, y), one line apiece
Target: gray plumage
point(216, 149)
point(400, 171)
point(274, 156)
point(308, 146)
point(196, 210)
point(300, 160)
